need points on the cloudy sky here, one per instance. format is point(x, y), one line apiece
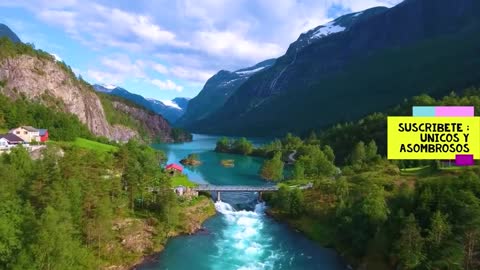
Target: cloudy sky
point(164, 49)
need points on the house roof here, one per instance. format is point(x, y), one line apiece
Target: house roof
point(42, 131)
point(10, 137)
point(30, 128)
point(174, 166)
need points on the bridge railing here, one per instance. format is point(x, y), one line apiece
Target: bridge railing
point(234, 188)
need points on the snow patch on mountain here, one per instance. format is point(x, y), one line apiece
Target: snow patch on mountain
point(229, 82)
point(248, 72)
point(357, 14)
point(109, 86)
point(172, 104)
point(327, 29)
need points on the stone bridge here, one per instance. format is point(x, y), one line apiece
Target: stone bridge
point(218, 189)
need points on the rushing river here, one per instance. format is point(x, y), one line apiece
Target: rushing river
point(240, 236)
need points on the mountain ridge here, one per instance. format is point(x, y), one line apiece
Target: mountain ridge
point(217, 90)
point(5, 31)
point(169, 111)
point(308, 85)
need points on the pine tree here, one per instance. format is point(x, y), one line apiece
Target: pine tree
point(358, 155)
point(296, 202)
point(410, 245)
point(328, 151)
point(298, 171)
point(371, 151)
point(273, 169)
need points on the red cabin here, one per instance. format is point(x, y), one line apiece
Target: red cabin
point(174, 168)
point(43, 135)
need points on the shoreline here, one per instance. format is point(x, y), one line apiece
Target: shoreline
point(194, 215)
point(284, 220)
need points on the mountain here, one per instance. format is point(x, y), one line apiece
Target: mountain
point(35, 75)
point(168, 109)
point(5, 31)
point(181, 102)
point(217, 90)
point(357, 64)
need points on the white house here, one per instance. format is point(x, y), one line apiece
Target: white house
point(27, 133)
point(9, 140)
point(3, 144)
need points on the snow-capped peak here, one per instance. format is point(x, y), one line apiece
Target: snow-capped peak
point(109, 86)
point(327, 29)
point(172, 104)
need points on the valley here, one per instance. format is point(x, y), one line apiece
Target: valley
point(134, 142)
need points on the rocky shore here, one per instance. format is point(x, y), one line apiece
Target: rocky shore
point(140, 238)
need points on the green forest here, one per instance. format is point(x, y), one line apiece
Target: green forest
point(62, 126)
point(72, 208)
point(379, 214)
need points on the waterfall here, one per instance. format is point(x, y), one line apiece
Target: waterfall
point(243, 239)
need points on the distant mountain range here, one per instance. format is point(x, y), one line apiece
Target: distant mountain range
point(5, 31)
point(352, 66)
point(217, 91)
point(170, 109)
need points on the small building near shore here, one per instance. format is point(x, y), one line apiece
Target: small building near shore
point(11, 139)
point(43, 135)
point(27, 133)
point(180, 190)
point(8, 141)
point(174, 169)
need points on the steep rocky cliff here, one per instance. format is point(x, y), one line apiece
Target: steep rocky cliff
point(155, 125)
point(44, 80)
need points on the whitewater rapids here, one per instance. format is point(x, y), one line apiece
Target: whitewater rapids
point(242, 239)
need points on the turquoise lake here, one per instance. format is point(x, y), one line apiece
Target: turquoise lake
point(240, 236)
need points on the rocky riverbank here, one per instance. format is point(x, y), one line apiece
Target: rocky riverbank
point(141, 239)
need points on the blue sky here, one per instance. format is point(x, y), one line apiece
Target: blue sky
point(164, 49)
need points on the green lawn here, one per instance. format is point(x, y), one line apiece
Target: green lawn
point(417, 171)
point(87, 144)
point(3, 131)
point(428, 170)
point(182, 180)
point(93, 145)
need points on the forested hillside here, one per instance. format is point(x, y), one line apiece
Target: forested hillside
point(378, 213)
point(84, 209)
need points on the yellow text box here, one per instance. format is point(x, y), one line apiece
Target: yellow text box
point(432, 137)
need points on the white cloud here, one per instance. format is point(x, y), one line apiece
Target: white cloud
point(68, 18)
point(191, 39)
point(188, 73)
point(116, 69)
point(122, 64)
point(166, 85)
point(104, 77)
point(160, 68)
point(140, 26)
point(191, 74)
point(229, 44)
